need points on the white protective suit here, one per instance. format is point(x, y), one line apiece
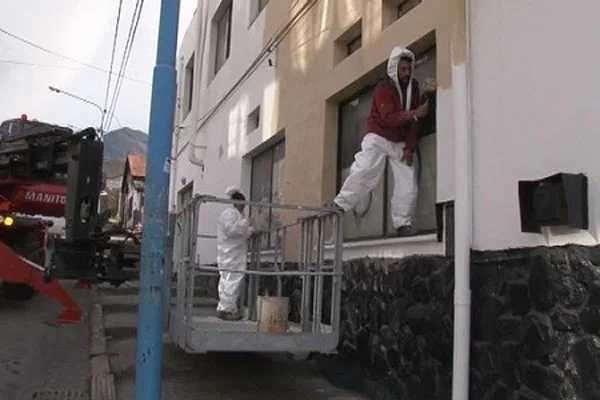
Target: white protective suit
point(369, 163)
point(233, 231)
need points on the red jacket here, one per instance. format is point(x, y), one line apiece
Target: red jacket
point(391, 121)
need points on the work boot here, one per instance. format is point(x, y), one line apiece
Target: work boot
point(406, 230)
point(229, 316)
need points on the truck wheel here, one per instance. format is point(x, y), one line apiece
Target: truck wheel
point(17, 291)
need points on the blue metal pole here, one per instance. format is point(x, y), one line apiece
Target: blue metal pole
point(148, 382)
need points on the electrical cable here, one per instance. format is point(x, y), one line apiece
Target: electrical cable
point(65, 57)
point(30, 64)
point(126, 54)
point(126, 49)
point(112, 60)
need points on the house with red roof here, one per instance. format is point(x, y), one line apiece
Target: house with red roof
point(131, 196)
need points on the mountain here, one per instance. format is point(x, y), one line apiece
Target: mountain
point(121, 141)
point(117, 144)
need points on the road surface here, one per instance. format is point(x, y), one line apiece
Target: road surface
point(39, 358)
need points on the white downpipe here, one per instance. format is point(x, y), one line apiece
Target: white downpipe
point(175, 147)
point(463, 208)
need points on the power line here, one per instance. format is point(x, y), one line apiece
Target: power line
point(112, 60)
point(66, 57)
point(30, 64)
point(135, 19)
point(125, 59)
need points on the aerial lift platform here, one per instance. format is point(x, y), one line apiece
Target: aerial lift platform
point(289, 307)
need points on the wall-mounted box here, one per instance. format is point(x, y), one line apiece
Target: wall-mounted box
point(557, 200)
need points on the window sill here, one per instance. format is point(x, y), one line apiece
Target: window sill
point(393, 247)
point(390, 240)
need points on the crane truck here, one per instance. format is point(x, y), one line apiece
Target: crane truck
point(51, 172)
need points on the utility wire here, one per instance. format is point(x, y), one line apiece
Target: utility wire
point(112, 61)
point(125, 59)
point(135, 19)
point(30, 64)
point(65, 57)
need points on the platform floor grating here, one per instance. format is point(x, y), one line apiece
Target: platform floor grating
point(214, 324)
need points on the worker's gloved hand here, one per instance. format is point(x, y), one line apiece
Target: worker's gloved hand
point(408, 156)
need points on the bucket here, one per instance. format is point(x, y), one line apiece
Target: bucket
point(272, 314)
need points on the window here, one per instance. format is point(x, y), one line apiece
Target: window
point(348, 42)
point(394, 10)
point(253, 121)
point(184, 195)
point(129, 209)
point(354, 45)
point(256, 7)
point(405, 6)
point(189, 86)
point(223, 42)
point(267, 186)
point(372, 218)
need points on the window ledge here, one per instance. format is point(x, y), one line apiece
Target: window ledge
point(393, 247)
point(430, 237)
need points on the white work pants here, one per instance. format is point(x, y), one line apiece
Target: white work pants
point(230, 284)
point(367, 170)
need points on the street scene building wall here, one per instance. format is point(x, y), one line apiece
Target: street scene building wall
point(283, 115)
point(225, 100)
point(530, 122)
point(332, 55)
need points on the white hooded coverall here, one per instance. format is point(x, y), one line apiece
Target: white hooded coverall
point(233, 230)
point(369, 163)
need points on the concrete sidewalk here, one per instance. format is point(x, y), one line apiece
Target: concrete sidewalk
point(214, 376)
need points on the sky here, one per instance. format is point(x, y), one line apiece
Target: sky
point(82, 30)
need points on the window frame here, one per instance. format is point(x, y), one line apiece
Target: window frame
point(256, 8)
point(225, 16)
point(253, 120)
point(189, 85)
point(354, 44)
point(269, 152)
point(384, 232)
point(406, 6)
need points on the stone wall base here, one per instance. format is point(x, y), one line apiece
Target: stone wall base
point(535, 329)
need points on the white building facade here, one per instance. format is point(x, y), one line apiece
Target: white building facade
point(528, 117)
point(534, 94)
point(226, 86)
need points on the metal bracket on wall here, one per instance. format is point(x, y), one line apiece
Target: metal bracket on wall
point(444, 216)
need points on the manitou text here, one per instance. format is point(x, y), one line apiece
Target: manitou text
point(45, 198)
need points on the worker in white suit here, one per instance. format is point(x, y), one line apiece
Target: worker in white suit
point(392, 134)
point(233, 231)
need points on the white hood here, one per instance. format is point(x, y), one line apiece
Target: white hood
point(392, 70)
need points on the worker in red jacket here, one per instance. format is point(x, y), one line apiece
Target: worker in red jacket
point(392, 134)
